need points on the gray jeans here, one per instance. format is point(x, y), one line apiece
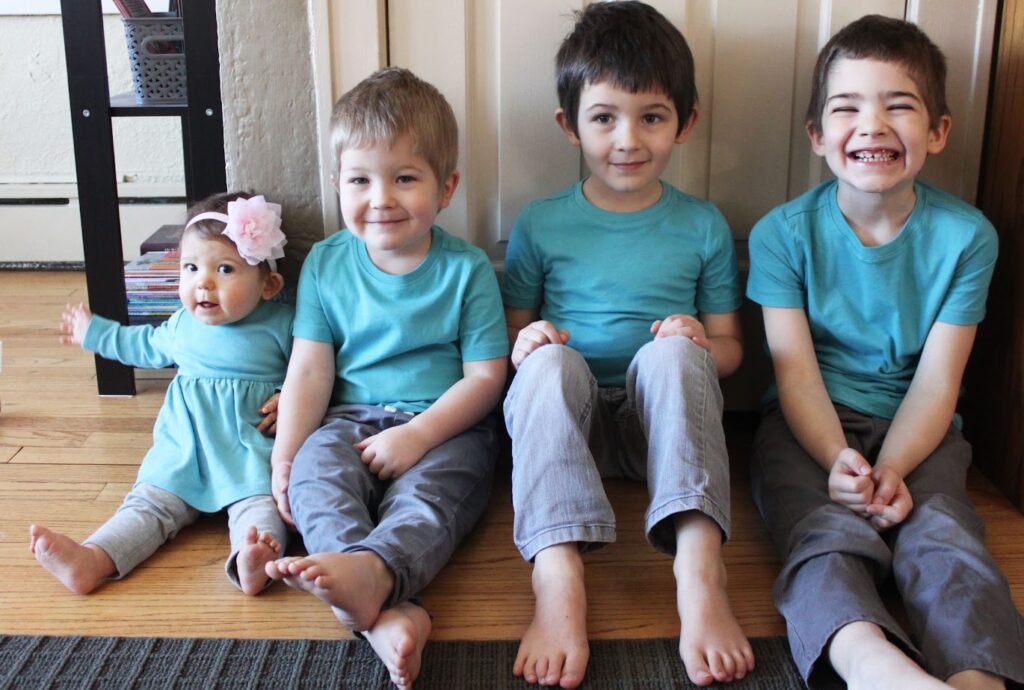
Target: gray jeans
point(414, 522)
point(958, 603)
point(567, 433)
point(149, 516)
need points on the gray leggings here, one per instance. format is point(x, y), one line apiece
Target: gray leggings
point(150, 516)
point(958, 603)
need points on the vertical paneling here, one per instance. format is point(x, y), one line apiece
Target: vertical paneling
point(430, 38)
point(964, 31)
point(534, 157)
point(754, 58)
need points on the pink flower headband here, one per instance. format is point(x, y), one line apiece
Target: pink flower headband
point(254, 225)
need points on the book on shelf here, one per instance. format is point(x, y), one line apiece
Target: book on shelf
point(151, 284)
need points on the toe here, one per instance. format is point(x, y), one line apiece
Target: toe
point(697, 668)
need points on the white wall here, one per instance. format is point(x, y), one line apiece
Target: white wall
point(36, 146)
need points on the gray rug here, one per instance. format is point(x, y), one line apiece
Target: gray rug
point(126, 662)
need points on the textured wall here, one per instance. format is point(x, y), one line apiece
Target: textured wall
point(269, 111)
point(35, 120)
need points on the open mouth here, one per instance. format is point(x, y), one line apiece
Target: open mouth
point(206, 305)
point(875, 155)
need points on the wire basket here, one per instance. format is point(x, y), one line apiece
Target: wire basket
point(157, 56)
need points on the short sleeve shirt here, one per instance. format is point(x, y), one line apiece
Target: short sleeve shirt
point(870, 309)
point(400, 340)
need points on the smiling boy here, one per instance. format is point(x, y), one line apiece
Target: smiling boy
point(872, 287)
point(621, 295)
point(383, 453)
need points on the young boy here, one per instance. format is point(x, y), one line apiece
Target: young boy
point(621, 298)
point(872, 286)
point(399, 330)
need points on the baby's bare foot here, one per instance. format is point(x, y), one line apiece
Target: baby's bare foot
point(258, 550)
point(356, 585)
point(554, 649)
point(398, 638)
point(79, 568)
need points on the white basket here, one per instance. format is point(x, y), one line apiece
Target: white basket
point(157, 57)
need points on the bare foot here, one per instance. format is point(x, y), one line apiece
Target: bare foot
point(79, 568)
point(398, 638)
point(259, 549)
point(863, 657)
point(973, 679)
point(711, 643)
point(356, 584)
point(554, 649)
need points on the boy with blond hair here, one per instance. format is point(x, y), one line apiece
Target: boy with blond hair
point(872, 286)
point(384, 454)
point(621, 296)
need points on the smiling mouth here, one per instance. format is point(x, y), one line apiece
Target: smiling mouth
point(875, 155)
point(206, 305)
point(629, 165)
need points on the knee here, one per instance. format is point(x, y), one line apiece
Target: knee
point(554, 365)
point(672, 352)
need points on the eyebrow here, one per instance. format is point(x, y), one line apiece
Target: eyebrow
point(887, 95)
point(610, 106)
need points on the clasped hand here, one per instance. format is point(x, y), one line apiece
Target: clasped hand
point(878, 493)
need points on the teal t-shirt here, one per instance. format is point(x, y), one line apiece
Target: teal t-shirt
point(870, 309)
point(400, 340)
point(206, 449)
point(605, 277)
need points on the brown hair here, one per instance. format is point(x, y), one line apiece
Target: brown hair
point(889, 40)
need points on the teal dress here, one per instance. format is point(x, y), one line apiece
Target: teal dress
point(206, 449)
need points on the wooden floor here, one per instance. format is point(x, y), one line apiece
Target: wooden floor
point(67, 457)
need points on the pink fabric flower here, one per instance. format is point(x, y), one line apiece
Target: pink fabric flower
point(254, 225)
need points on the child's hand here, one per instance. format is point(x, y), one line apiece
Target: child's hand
point(392, 451)
point(537, 334)
point(268, 425)
point(681, 324)
point(850, 482)
point(74, 322)
point(280, 473)
point(892, 502)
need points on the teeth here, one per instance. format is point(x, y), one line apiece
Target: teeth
point(875, 155)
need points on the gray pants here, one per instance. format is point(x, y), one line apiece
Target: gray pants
point(149, 516)
point(414, 522)
point(665, 427)
point(958, 603)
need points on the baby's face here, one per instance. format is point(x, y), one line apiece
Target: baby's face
point(627, 140)
point(217, 285)
point(875, 127)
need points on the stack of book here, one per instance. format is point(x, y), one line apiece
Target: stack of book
point(151, 282)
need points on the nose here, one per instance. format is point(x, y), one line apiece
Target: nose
point(381, 196)
point(871, 123)
point(626, 136)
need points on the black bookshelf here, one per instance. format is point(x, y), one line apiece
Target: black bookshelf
point(92, 108)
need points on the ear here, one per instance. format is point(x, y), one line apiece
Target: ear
point(448, 190)
point(687, 129)
point(272, 284)
point(334, 182)
point(817, 139)
point(563, 124)
point(938, 137)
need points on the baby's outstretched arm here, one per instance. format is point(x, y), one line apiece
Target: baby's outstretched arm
point(74, 322)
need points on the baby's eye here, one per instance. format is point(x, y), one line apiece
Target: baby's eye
point(358, 180)
point(406, 179)
point(225, 268)
point(190, 268)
